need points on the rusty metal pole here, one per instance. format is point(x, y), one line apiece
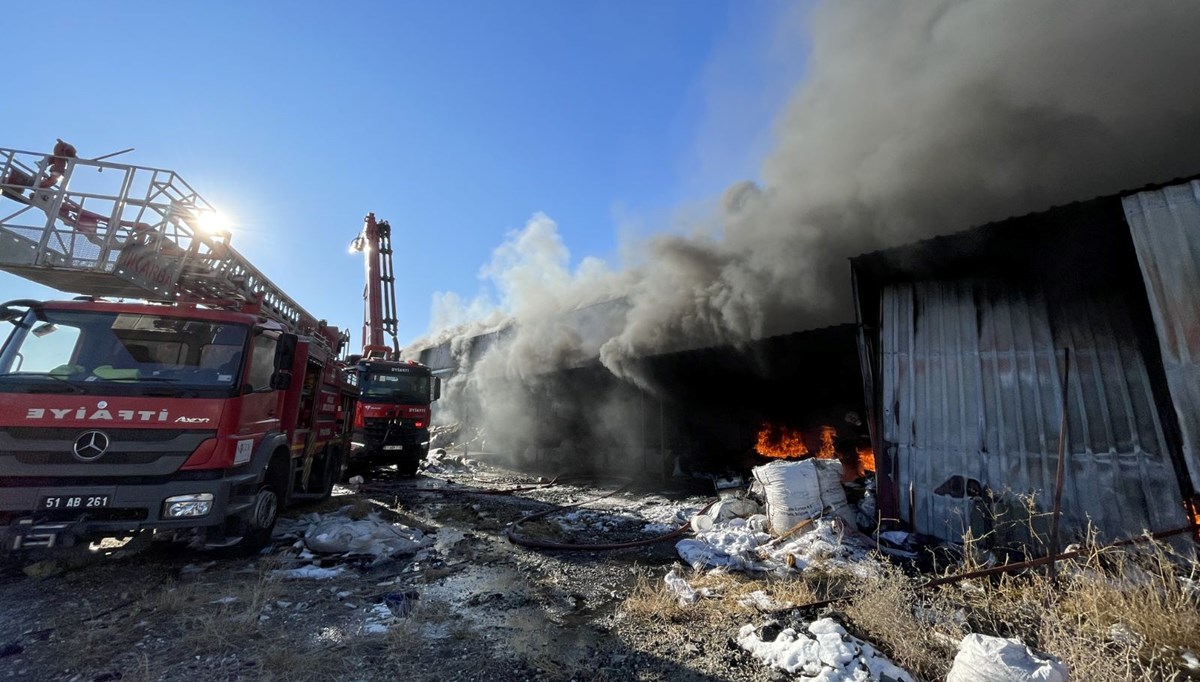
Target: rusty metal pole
point(1059, 473)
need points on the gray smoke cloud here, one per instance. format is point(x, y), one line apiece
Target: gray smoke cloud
point(918, 118)
point(915, 118)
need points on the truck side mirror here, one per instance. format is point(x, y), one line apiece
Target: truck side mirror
point(437, 388)
point(285, 357)
point(285, 352)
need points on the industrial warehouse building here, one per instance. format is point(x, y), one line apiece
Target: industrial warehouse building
point(958, 363)
point(964, 344)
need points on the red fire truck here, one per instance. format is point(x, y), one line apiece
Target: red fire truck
point(392, 422)
point(197, 406)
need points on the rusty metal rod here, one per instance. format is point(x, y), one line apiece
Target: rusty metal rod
point(1059, 473)
point(983, 573)
point(1049, 559)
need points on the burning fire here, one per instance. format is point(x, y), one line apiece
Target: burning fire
point(780, 442)
point(866, 459)
point(861, 464)
point(1192, 507)
point(827, 450)
point(784, 442)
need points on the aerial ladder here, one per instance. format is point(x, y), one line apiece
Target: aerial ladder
point(106, 229)
point(238, 388)
point(379, 292)
point(392, 422)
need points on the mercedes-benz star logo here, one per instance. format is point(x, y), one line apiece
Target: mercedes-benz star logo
point(90, 445)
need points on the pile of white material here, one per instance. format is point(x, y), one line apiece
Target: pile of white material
point(826, 653)
point(645, 519)
point(687, 594)
point(661, 516)
point(441, 462)
point(993, 659)
point(742, 545)
point(309, 573)
point(379, 618)
point(340, 534)
point(805, 489)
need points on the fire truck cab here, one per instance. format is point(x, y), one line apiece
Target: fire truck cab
point(122, 417)
point(392, 420)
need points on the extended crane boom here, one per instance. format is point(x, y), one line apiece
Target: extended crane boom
point(394, 410)
point(379, 294)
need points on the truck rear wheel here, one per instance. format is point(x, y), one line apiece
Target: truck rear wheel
point(331, 471)
point(408, 464)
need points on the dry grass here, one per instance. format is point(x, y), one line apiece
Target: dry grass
point(919, 631)
point(283, 661)
point(1113, 615)
point(220, 627)
point(651, 599)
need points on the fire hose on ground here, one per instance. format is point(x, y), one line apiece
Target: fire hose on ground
point(515, 537)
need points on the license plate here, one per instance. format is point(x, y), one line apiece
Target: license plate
point(74, 502)
point(393, 447)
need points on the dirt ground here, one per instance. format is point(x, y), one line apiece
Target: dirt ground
point(471, 606)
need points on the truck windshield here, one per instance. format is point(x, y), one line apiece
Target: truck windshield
point(399, 388)
point(74, 350)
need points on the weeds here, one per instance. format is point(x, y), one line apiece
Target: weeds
point(1114, 614)
point(1111, 614)
point(919, 631)
point(729, 600)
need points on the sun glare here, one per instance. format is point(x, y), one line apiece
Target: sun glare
point(212, 222)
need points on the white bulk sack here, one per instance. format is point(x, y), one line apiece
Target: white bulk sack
point(992, 659)
point(802, 489)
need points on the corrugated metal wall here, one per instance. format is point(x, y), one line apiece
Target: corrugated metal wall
point(1166, 233)
point(972, 384)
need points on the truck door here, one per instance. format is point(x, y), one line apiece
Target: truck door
point(261, 402)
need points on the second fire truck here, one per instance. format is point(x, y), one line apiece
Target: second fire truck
point(391, 424)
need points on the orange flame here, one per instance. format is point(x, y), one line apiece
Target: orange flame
point(780, 442)
point(866, 459)
point(827, 450)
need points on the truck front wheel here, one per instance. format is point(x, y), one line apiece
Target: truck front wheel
point(258, 522)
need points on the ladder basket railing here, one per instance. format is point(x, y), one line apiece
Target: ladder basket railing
point(112, 229)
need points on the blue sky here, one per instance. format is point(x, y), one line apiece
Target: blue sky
point(454, 121)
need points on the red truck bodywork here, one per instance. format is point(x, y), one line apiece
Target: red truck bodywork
point(289, 439)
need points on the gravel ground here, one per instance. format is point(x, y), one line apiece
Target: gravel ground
point(470, 606)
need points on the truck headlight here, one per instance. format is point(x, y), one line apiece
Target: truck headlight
point(182, 506)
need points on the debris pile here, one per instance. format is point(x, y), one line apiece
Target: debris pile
point(681, 588)
point(441, 462)
point(982, 659)
point(825, 652)
point(744, 545)
point(807, 524)
point(371, 539)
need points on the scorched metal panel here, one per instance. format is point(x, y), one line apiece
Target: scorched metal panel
point(1165, 225)
point(972, 384)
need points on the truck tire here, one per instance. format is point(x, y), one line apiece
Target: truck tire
point(330, 472)
point(408, 464)
point(258, 523)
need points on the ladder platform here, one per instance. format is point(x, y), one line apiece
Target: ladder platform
point(110, 229)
